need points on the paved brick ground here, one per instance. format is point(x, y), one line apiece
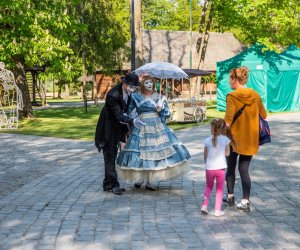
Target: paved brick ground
point(51, 198)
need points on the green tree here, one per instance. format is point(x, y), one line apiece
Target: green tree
point(276, 24)
point(105, 30)
point(273, 23)
point(170, 15)
point(68, 37)
point(34, 33)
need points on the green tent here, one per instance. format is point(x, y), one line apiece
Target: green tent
point(274, 76)
point(284, 84)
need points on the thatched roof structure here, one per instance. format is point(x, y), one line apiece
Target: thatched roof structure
point(174, 47)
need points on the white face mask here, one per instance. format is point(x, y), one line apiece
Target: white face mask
point(148, 84)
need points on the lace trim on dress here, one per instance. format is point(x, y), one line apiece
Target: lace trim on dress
point(157, 155)
point(146, 141)
point(151, 129)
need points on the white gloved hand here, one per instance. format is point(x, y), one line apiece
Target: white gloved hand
point(137, 122)
point(160, 104)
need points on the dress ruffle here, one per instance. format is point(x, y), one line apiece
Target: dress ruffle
point(133, 176)
point(152, 152)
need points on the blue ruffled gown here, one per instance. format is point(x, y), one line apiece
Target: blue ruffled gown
point(153, 152)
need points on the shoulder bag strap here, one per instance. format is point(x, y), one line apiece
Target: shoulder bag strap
point(237, 114)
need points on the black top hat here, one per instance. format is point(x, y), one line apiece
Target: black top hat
point(131, 79)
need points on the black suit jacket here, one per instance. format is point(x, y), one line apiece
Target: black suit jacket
point(112, 123)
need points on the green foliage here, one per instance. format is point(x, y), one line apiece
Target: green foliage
point(211, 78)
point(273, 23)
point(104, 32)
point(35, 30)
point(62, 35)
point(170, 15)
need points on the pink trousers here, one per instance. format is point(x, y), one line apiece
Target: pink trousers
point(211, 175)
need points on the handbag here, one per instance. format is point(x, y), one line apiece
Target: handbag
point(264, 131)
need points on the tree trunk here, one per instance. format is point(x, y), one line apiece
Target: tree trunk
point(53, 86)
point(59, 91)
point(67, 92)
point(202, 41)
point(205, 41)
point(20, 78)
point(43, 92)
point(41, 88)
point(201, 33)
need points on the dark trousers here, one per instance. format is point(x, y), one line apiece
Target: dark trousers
point(243, 166)
point(110, 152)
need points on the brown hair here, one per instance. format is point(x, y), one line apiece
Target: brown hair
point(142, 87)
point(240, 74)
point(217, 127)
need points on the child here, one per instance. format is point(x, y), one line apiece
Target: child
point(216, 147)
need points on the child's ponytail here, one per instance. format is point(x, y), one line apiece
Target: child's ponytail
point(214, 134)
point(217, 127)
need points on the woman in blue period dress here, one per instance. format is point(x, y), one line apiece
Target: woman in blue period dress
point(152, 151)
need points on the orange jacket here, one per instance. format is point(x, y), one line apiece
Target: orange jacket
point(245, 128)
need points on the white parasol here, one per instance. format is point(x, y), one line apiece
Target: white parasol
point(162, 70)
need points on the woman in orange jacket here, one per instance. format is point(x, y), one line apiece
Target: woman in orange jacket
point(245, 133)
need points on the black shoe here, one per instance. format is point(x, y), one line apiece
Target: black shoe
point(107, 189)
point(231, 201)
point(150, 188)
point(117, 191)
point(138, 185)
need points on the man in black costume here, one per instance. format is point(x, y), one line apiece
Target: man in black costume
point(112, 128)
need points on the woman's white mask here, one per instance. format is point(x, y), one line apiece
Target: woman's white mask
point(148, 84)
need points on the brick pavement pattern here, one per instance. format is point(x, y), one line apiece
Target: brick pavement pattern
point(51, 198)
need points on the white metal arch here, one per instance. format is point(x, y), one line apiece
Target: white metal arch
point(10, 99)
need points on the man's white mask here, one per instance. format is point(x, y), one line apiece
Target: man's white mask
point(131, 89)
point(148, 84)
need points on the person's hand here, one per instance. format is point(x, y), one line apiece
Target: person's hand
point(160, 105)
point(98, 147)
point(137, 122)
point(122, 145)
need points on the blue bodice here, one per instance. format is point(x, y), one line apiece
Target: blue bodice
point(143, 104)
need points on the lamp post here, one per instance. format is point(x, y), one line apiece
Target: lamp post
point(132, 32)
point(191, 32)
point(85, 79)
point(191, 36)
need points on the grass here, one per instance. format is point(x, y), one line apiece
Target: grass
point(71, 123)
point(74, 123)
point(71, 99)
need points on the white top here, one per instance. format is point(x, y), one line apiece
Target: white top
point(216, 155)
